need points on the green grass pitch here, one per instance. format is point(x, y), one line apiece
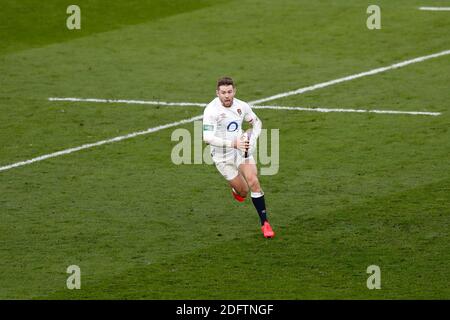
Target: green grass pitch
point(352, 190)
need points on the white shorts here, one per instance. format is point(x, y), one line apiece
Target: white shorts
point(230, 168)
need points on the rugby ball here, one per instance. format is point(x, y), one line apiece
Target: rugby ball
point(246, 136)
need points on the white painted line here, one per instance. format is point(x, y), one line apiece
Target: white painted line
point(202, 105)
point(299, 91)
point(435, 8)
point(99, 143)
point(425, 113)
point(352, 77)
point(155, 103)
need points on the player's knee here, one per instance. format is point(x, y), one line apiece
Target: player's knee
point(253, 183)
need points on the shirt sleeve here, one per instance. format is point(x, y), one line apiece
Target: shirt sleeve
point(254, 121)
point(209, 131)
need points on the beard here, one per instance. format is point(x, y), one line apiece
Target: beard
point(227, 103)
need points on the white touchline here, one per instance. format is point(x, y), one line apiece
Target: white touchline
point(352, 77)
point(173, 124)
point(425, 113)
point(435, 8)
point(154, 103)
point(202, 105)
point(99, 143)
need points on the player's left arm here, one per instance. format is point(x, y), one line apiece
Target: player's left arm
point(255, 122)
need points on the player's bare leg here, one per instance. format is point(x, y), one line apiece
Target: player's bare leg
point(239, 187)
point(250, 173)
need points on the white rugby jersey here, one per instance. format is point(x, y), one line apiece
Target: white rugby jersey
point(222, 125)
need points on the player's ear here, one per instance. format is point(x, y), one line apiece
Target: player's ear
point(217, 92)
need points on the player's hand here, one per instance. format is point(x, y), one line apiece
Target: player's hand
point(242, 145)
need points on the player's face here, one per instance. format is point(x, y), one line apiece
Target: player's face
point(226, 95)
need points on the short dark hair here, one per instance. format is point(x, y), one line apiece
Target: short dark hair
point(225, 81)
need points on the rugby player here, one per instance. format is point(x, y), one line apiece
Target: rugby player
point(231, 150)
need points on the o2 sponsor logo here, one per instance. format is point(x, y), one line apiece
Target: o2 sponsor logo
point(232, 126)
